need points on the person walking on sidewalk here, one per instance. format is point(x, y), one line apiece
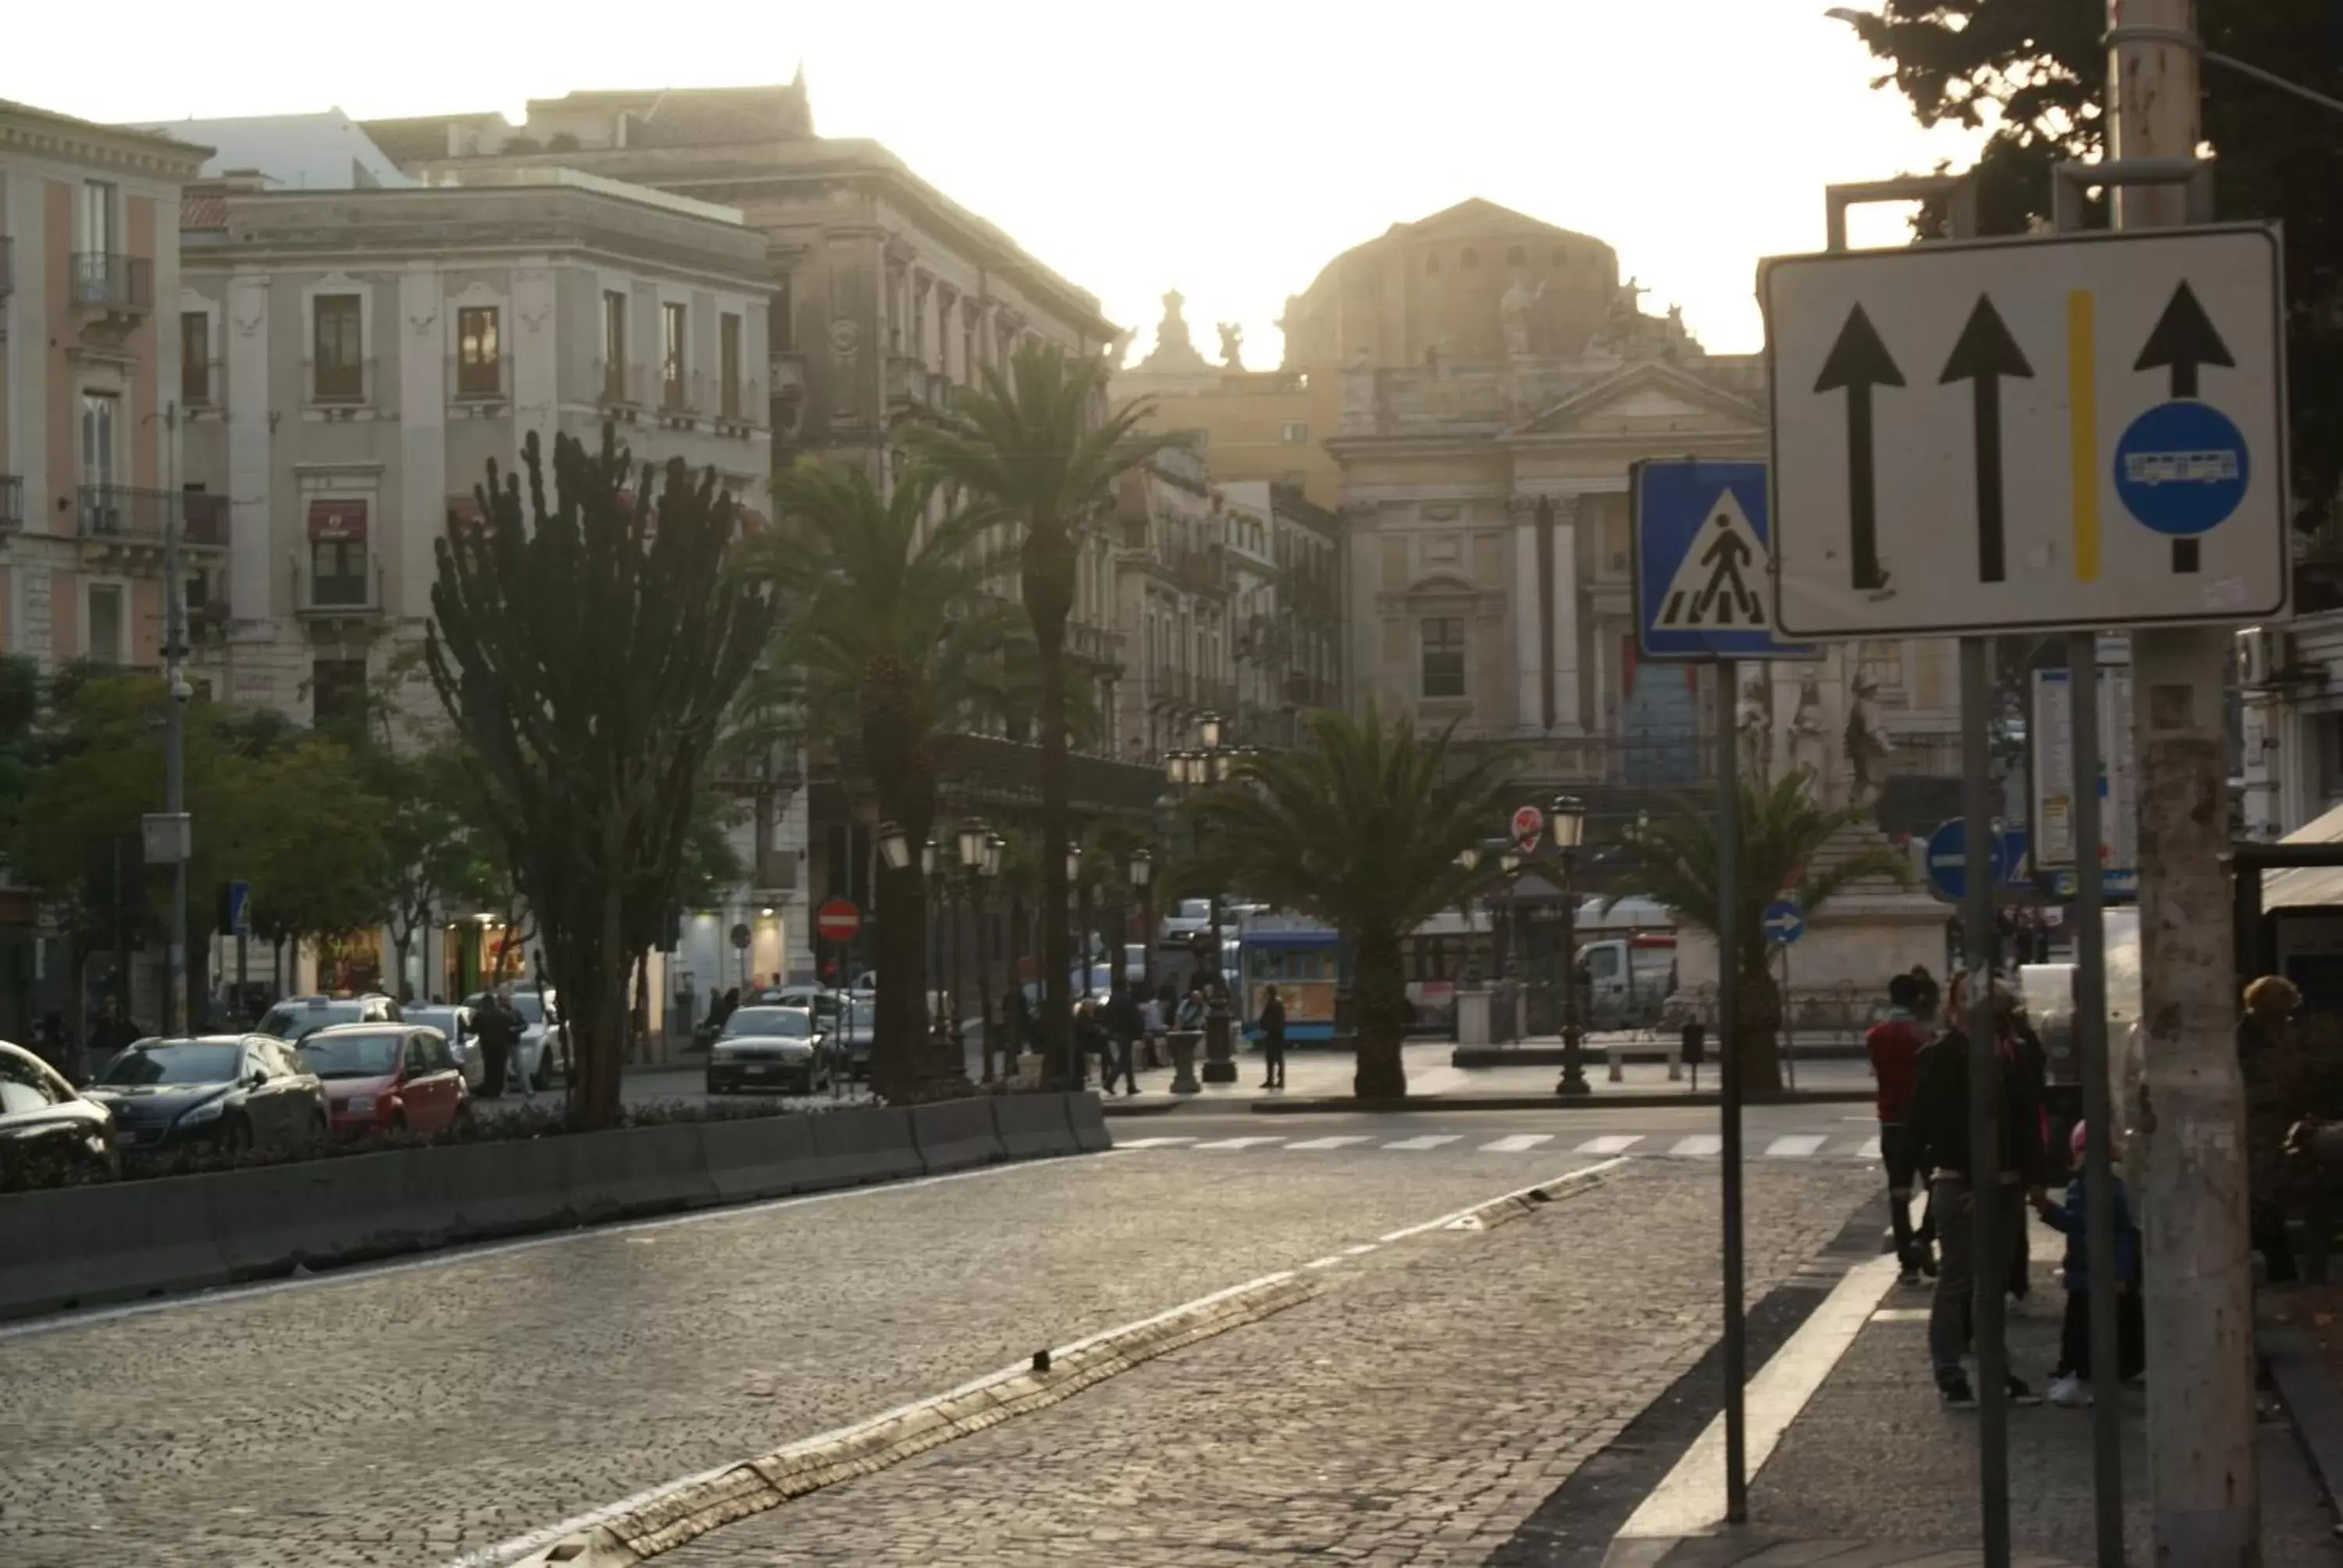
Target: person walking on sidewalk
point(1893, 1045)
point(1273, 1039)
point(1939, 1121)
point(2265, 1045)
point(1123, 1026)
point(2070, 1383)
point(1154, 1015)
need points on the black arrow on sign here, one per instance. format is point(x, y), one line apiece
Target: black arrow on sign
point(2184, 339)
point(1858, 362)
point(1984, 354)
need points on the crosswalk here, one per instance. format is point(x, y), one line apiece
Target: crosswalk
point(1689, 1146)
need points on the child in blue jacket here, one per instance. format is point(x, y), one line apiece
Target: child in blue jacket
point(2071, 1385)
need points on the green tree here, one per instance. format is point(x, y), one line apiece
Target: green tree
point(2035, 72)
point(311, 838)
point(1783, 830)
point(890, 637)
point(1038, 445)
point(589, 653)
point(1360, 825)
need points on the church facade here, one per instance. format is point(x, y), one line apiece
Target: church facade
point(1496, 383)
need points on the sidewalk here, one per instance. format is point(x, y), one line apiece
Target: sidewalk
point(1871, 1472)
point(1319, 1073)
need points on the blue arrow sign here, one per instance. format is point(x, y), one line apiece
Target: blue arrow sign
point(1948, 859)
point(1783, 922)
point(1703, 566)
point(239, 910)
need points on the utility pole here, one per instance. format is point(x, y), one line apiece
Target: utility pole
point(2189, 1123)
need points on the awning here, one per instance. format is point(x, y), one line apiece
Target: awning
point(2307, 887)
point(332, 521)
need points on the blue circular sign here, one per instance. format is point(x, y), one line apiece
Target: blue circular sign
point(2182, 468)
point(1948, 859)
point(1784, 922)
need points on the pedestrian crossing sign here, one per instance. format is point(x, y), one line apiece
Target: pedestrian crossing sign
point(1703, 563)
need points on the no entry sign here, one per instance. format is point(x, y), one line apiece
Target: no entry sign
point(838, 920)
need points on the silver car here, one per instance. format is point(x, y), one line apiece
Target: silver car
point(463, 1037)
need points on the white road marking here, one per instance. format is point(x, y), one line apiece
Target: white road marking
point(1238, 1142)
point(1700, 1144)
point(1519, 1143)
point(1325, 1262)
point(1446, 1220)
point(1614, 1144)
point(1429, 1140)
point(1361, 1251)
point(1155, 1142)
point(1691, 1501)
point(1870, 1150)
point(1343, 1143)
point(1797, 1146)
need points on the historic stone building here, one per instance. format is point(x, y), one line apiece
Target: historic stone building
point(1497, 381)
point(1268, 426)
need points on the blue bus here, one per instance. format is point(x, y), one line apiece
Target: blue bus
point(1304, 962)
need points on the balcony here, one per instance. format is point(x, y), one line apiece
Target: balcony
point(344, 384)
point(1196, 571)
point(12, 504)
point(128, 520)
point(907, 385)
point(113, 284)
point(332, 605)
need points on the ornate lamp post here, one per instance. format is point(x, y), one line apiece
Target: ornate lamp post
point(988, 870)
point(1566, 825)
point(1210, 764)
point(1142, 877)
point(1509, 861)
point(1469, 859)
point(967, 857)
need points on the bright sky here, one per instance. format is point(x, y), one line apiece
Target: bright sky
point(1229, 147)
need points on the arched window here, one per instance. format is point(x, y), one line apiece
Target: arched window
point(1472, 257)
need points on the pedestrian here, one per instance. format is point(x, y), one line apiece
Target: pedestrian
point(1089, 1039)
point(1273, 1039)
point(2265, 1045)
point(1153, 1018)
point(1191, 1007)
point(2070, 1383)
point(1924, 997)
point(489, 1028)
point(1893, 1045)
point(1123, 1026)
point(2026, 1056)
point(1939, 1121)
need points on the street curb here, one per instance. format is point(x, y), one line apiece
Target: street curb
point(691, 1508)
point(1111, 1109)
point(2308, 1394)
point(1597, 1101)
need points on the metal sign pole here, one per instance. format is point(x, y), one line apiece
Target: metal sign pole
point(1989, 1244)
point(1728, 1066)
point(2091, 1052)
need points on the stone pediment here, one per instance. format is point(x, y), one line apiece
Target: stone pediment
point(1651, 398)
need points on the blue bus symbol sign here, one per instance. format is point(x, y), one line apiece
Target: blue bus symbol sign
point(2182, 468)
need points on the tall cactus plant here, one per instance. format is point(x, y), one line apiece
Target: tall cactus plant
point(587, 649)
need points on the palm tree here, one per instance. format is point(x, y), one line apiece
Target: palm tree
point(1361, 827)
point(889, 637)
point(1038, 445)
point(1781, 830)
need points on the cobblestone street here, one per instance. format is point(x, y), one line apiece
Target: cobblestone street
point(408, 1414)
point(1417, 1413)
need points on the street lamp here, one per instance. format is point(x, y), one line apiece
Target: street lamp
point(1566, 825)
point(1082, 912)
point(930, 863)
point(893, 848)
point(1208, 765)
point(980, 851)
point(1142, 880)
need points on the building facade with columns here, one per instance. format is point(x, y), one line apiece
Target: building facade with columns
point(1497, 382)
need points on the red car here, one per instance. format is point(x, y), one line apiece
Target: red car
point(388, 1078)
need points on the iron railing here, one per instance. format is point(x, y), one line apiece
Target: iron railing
point(139, 516)
point(103, 281)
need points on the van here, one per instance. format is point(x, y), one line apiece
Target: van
point(1627, 980)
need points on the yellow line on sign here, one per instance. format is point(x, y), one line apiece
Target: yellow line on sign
point(2083, 433)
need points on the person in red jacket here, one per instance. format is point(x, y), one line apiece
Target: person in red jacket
point(1894, 1046)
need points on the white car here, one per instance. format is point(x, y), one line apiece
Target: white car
point(463, 1035)
point(538, 1051)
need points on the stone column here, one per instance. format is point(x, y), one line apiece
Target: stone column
point(1529, 627)
point(422, 478)
point(1568, 715)
point(251, 512)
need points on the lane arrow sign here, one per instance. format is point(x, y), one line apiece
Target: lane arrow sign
point(2184, 339)
point(1858, 362)
point(1984, 354)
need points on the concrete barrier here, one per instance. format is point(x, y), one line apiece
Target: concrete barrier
point(1033, 1126)
point(867, 1143)
point(954, 1134)
point(82, 1246)
point(78, 1246)
point(1088, 1123)
point(759, 1157)
point(638, 1170)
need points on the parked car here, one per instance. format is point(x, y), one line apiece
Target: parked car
point(235, 1091)
point(456, 1025)
point(43, 1118)
point(769, 1046)
point(397, 1078)
point(847, 1019)
point(296, 1018)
